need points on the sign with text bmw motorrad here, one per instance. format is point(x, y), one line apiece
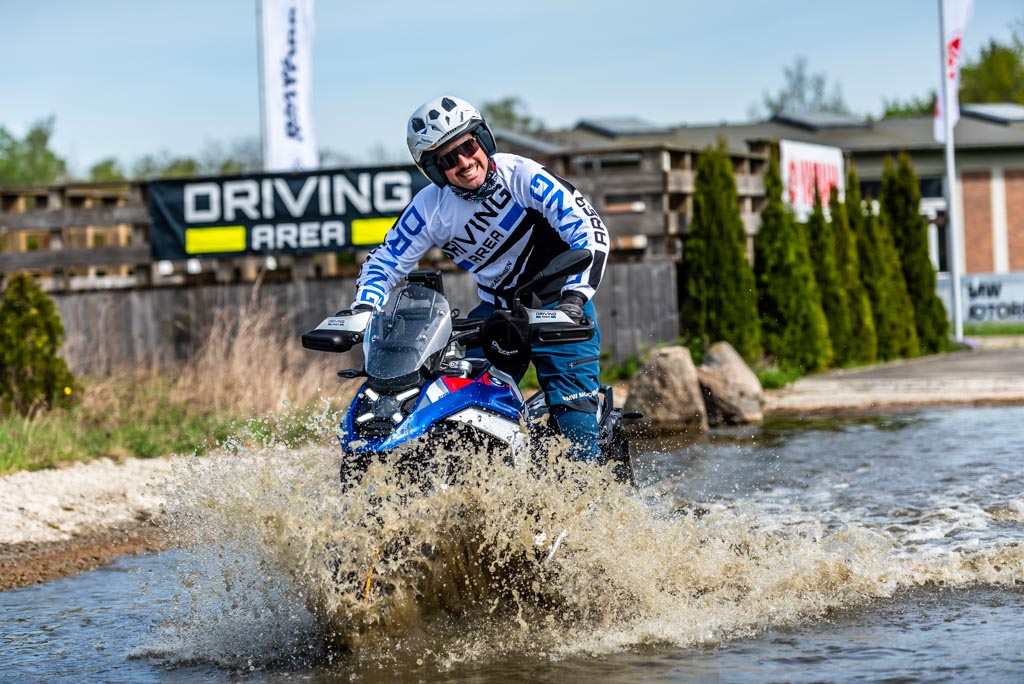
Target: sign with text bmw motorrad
point(986, 297)
point(287, 213)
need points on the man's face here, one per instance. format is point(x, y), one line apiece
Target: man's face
point(469, 171)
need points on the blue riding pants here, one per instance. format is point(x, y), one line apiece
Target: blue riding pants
point(570, 375)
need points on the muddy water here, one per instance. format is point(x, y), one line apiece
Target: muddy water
point(881, 549)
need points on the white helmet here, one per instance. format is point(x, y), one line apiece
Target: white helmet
point(439, 121)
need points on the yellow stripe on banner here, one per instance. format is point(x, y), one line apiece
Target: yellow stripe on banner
point(215, 239)
point(370, 231)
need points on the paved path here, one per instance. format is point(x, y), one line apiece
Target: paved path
point(984, 376)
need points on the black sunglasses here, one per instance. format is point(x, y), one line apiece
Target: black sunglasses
point(450, 159)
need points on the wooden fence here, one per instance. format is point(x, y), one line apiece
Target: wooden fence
point(113, 330)
point(96, 230)
point(644, 191)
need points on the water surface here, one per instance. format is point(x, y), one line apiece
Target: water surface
point(885, 548)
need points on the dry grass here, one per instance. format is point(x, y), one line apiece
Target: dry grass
point(253, 364)
point(253, 374)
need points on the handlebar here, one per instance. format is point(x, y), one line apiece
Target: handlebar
point(339, 334)
point(546, 327)
point(344, 330)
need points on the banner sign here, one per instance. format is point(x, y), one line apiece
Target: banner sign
point(286, 74)
point(955, 14)
point(988, 297)
point(803, 163)
point(278, 213)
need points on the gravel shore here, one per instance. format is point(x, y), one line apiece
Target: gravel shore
point(65, 503)
point(59, 522)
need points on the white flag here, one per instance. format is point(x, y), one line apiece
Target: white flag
point(955, 14)
point(286, 44)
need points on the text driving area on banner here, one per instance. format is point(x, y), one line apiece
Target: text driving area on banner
point(292, 213)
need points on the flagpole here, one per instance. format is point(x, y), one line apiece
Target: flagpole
point(263, 97)
point(952, 228)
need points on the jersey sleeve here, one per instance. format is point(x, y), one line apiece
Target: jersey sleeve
point(403, 246)
point(570, 213)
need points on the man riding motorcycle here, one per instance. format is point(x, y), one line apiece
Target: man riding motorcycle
point(502, 217)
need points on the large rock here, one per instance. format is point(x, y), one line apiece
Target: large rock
point(667, 391)
point(732, 392)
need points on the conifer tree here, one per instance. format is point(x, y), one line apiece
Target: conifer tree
point(863, 341)
point(881, 274)
point(821, 245)
point(32, 373)
point(793, 327)
point(904, 342)
point(900, 199)
point(718, 299)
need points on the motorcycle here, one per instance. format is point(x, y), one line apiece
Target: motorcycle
point(422, 390)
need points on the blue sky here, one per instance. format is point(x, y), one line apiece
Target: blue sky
point(128, 78)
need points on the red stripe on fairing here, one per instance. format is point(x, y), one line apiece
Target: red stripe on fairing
point(454, 384)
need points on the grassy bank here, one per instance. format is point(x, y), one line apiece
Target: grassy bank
point(135, 418)
point(982, 329)
point(252, 380)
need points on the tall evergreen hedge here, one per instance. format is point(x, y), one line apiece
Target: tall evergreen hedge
point(882, 277)
point(863, 341)
point(33, 376)
point(822, 247)
point(718, 299)
point(793, 327)
point(900, 200)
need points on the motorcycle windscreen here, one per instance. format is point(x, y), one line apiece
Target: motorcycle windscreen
point(414, 324)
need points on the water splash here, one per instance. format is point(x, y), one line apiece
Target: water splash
point(286, 563)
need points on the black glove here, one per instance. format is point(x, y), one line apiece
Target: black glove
point(358, 308)
point(571, 304)
point(505, 338)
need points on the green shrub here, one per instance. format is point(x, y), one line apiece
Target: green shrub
point(900, 200)
point(821, 245)
point(529, 380)
point(32, 373)
point(612, 372)
point(882, 278)
point(775, 377)
point(718, 297)
point(863, 342)
point(793, 327)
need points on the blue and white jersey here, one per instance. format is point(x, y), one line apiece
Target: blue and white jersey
point(531, 216)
